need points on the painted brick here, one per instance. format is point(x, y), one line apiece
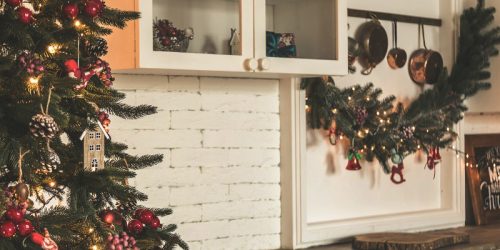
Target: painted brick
point(160, 120)
point(166, 176)
point(184, 83)
point(194, 245)
point(271, 241)
point(191, 195)
point(218, 229)
point(235, 86)
point(254, 191)
point(170, 100)
point(239, 174)
point(183, 214)
point(161, 139)
point(224, 157)
point(238, 138)
point(224, 120)
point(134, 82)
point(232, 102)
point(158, 196)
point(241, 209)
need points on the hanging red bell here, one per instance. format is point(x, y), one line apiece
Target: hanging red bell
point(437, 155)
point(353, 164)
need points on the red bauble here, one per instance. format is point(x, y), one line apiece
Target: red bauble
point(155, 223)
point(7, 229)
point(93, 8)
point(14, 215)
point(108, 217)
point(146, 217)
point(13, 3)
point(37, 238)
point(25, 15)
point(71, 10)
point(25, 228)
point(135, 227)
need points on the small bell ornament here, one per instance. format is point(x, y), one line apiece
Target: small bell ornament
point(353, 164)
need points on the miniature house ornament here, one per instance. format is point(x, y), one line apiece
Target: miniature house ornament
point(93, 148)
point(235, 43)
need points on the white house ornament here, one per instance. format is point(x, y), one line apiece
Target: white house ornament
point(93, 148)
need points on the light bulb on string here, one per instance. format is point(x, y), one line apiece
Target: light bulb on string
point(33, 85)
point(77, 24)
point(53, 48)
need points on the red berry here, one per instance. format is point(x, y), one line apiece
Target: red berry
point(14, 215)
point(13, 3)
point(25, 228)
point(155, 223)
point(25, 15)
point(7, 229)
point(146, 217)
point(135, 227)
point(37, 238)
point(71, 10)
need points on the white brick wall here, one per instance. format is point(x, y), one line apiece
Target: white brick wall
point(220, 139)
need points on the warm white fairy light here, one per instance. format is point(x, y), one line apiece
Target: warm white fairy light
point(368, 99)
point(353, 88)
point(91, 230)
point(349, 98)
point(33, 80)
point(53, 48)
point(413, 128)
point(77, 23)
point(378, 112)
point(335, 111)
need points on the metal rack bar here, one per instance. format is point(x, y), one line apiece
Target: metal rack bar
point(394, 17)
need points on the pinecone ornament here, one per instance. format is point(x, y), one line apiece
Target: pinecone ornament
point(96, 47)
point(406, 133)
point(51, 162)
point(43, 126)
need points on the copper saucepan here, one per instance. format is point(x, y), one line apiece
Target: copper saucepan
point(396, 58)
point(425, 65)
point(373, 42)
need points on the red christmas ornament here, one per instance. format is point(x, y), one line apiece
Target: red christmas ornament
point(146, 217)
point(37, 238)
point(108, 217)
point(7, 229)
point(137, 213)
point(25, 228)
point(14, 215)
point(71, 10)
point(155, 223)
point(135, 227)
point(353, 164)
point(93, 8)
point(13, 3)
point(25, 15)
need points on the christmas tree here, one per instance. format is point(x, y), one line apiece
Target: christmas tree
point(63, 178)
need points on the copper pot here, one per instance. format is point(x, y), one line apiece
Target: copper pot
point(373, 42)
point(396, 58)
point(425, 65)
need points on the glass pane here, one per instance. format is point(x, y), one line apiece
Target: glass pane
point(197, 26)
point(301, 28)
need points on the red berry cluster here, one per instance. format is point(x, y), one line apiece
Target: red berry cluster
point(121, 242)
point(170, 37)
point(104, 119)
point(24, 14)
point(30, 63)
point(13, 221)
point(142, 218)
point(91, 8)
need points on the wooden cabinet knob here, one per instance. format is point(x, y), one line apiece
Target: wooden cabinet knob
point(264, 64)
point(251, 64)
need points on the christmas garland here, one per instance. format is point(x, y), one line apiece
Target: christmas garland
point(378, 129)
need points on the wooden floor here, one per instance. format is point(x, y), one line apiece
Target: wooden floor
point(481, 238)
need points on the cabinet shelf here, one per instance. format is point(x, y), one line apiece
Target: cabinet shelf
point(316, 32)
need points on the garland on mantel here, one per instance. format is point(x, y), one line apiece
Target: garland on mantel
point(375, 128)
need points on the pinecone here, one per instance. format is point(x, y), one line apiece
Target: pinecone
point(43, 126)
point(96, 47)
point(51, 162)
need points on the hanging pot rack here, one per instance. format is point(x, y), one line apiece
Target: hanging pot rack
point(394, 17)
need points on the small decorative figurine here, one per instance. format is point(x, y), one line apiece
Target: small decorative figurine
point(93, 148)
point(235, 43)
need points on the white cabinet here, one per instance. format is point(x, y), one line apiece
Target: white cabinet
point(319, 28)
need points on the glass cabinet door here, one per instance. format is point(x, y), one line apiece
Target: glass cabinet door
point(300, 35)
point(217, 33)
